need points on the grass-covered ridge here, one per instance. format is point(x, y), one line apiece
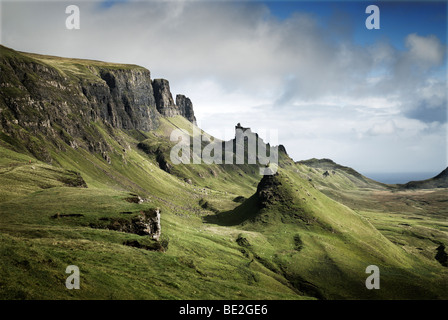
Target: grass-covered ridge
point(227, 232)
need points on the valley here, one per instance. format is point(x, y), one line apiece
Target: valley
point(85, 169)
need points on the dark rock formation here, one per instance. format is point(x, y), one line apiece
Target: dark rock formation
point(281, 148)
point(154, 246)
point(268, 190)
point(165, 103)
point(163, 163)
point(239, 127)
point(134, 198)
point(41, 103)
point(185, 107)
point(160, 153)
point(239, 199)
point(147, 223)
point(242, 241)
point(441, 255)
point(163, 98)
point(126, 101)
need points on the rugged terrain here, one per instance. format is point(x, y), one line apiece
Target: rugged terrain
point(86, 179)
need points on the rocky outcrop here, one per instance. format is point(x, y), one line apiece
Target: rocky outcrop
point(63, 103)
point(281, 148)
point(146, 223)
point(441, 255)
point(40, 105)
point(163, 98)
point(125, 99)
point(165, 104)
point(121, 97)
point(268, 190)
point(240, 128)
point(185, 107)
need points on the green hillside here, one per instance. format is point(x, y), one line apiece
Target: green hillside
point(439, 181)
point(74, 188)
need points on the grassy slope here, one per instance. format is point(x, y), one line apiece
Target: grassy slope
point(414, 220)
point(439, 181)
point(198, 263)
point(203, 260)
point(225, 177)
point(307, 246)
point(336, 245)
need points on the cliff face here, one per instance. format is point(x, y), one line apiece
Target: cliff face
point(65, 99)
point(125, 99)
point(185, 107)
point(165, 104)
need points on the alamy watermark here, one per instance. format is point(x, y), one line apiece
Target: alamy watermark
point(373, 281)
point(373, 20)
point(73, 20)
point(72, 281)
point(245, 148)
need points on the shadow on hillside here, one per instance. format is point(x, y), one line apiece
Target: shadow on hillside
point(247, 211)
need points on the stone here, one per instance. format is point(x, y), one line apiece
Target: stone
point(185, 107)
point(163, 98)
point(61, 109)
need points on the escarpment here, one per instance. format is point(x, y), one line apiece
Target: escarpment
point(165, 103)
point(66, 101)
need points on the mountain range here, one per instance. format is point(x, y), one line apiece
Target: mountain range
point(87, 179)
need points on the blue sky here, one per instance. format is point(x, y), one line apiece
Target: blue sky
point(398, 19)
point(110, 3)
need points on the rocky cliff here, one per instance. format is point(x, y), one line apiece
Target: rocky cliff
point(64, 100)
point(185, 107)
point(165, 103)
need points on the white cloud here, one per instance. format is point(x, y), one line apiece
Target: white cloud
point(238, 63)
point(425, 50)
point(385, 128)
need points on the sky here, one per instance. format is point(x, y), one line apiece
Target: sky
point(374, 100)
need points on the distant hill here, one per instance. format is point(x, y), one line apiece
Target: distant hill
point(328, 173)
point(439, 181)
